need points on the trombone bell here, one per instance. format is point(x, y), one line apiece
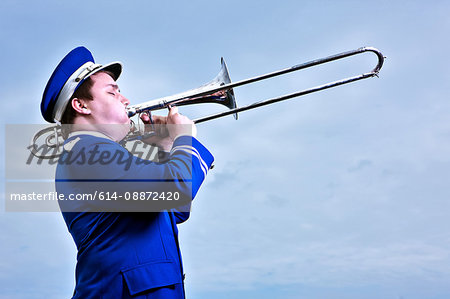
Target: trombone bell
point(210, 92)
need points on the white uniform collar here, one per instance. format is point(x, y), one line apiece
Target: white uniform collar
point(91, 133)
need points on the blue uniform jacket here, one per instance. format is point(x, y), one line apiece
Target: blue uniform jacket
point(128, 254)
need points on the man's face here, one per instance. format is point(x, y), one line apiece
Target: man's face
point(107, 109)
point(108, 105)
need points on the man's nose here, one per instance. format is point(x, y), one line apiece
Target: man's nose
point(124, 100)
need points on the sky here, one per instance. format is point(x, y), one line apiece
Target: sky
point(338, 194)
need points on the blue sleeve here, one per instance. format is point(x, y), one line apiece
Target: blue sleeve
point(96, 163)
point(181, 215)
point(205, 160)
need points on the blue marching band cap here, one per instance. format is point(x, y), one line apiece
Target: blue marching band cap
point(70, 73)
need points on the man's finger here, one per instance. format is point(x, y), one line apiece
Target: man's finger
point(158, 119)
point(145, 118)
point(173, 110)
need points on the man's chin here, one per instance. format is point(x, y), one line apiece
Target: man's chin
point(123, 130)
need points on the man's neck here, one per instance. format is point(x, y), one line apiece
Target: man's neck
point(114, 132)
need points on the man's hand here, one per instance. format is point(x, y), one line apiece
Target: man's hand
point(167, 128)
point(179, 124)
point(157, 124)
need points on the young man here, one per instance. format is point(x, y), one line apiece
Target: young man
point(120, 254)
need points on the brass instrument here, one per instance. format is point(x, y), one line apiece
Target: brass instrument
point(220, 91)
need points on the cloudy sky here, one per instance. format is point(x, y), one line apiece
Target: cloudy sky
point(339, 194)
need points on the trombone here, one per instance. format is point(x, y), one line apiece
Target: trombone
point(220, 91)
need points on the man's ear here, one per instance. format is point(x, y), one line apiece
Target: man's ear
point(80, 106)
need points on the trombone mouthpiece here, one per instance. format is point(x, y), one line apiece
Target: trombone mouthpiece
point(131, 111)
